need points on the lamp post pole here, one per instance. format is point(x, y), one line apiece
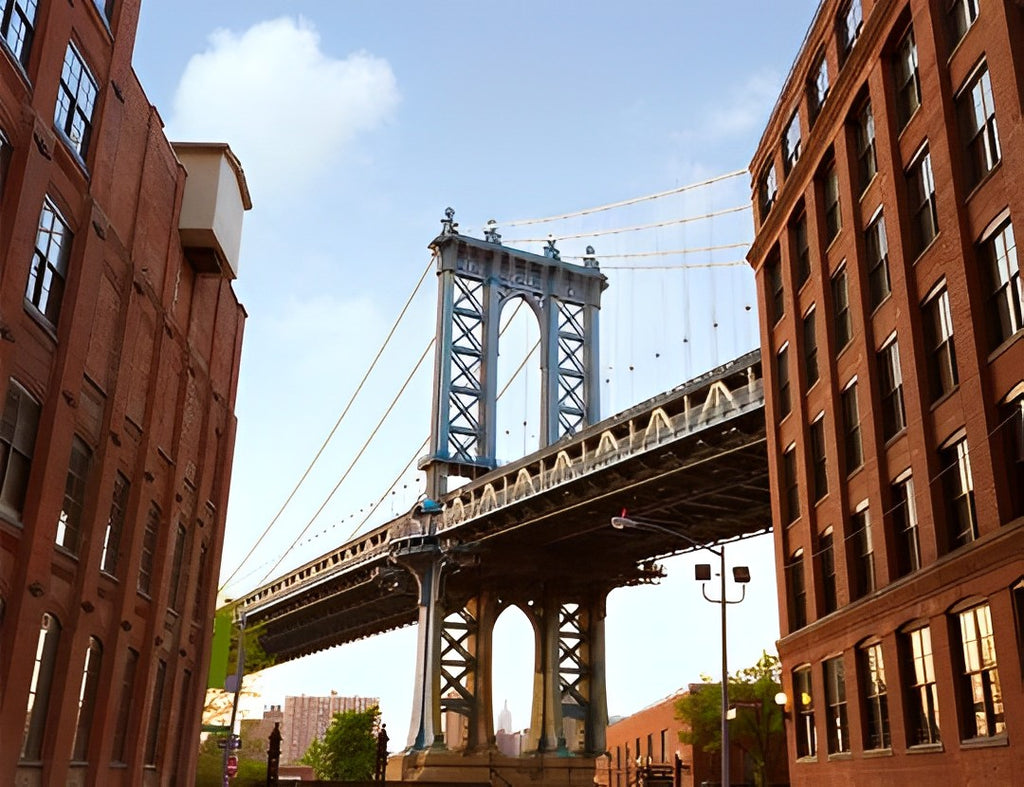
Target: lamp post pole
point(742, 575)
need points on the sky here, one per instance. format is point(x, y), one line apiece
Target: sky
point(357, 124)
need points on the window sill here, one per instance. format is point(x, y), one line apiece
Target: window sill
point(840, 755)
point(926, 748)
point(41, 320)
point(1006, 344)
point(1002, 739)
point(874, 753)
point(881, 303)
point(76, 155)
point(867, 185)
point(810, 758)
point(927, 247)
point(890, 441)
point(943, 398)
point(982, 181)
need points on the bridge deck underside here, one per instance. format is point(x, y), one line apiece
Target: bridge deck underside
point(710, 486)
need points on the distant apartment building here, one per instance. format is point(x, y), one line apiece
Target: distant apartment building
point(887, 202)
point(120, 339)
point(306, 718)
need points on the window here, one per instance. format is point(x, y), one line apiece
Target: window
point(890, 383)
point(877, 251)
point(962, 14)
point(766, 190)
point(782, 375)
point(922, 697)
point(87, 699)
point(876, 703)
point(803, 702)
point(773, 279)
point(938, 338)
point(148, 548)
point(981, 706)
point(106, 8)
point(75, 101)
point(69, 525)
point(827, 563)
point(115, 526)
point(851, 428)
point(921, 191)
point(842, 320)
point(49, 263)
point(39, 688)
point(851, 21)
point(833, 214)
point(173, 597)
point(908, 83)
point(791, 144)
point(978, 121)
point(818, 458)
point(810, 350)
point(802, 250)
point(796, 590)
point(867, 162)
point(837, 724)
point(17, 26)
point(1001, 275)
point(197, 603)
point(791, 501)
point(904, 526)
point(153, 731)
point(17, 443)
point(1011, 419)
point(1016, 591)
point(124, 710)
point(863, 562)
point(958, 485)
point(818, 88)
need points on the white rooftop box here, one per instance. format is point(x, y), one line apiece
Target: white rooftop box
point(216, 196)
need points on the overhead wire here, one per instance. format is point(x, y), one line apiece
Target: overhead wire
point(334, 429)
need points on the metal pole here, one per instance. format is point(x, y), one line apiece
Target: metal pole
point(725, 679)
point(239, 667)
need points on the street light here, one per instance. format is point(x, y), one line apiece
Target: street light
point(702, 573)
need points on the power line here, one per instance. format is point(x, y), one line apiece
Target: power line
point(681, 266)
point(323, 446)
point(665, 253)
point(634, 228)
point(623, 203)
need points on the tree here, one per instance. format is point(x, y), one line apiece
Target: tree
point(758, 727)
point(348, 749)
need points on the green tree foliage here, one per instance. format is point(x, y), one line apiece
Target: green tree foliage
point(256, 658)
point(758, 727)
point(252, 771)
point(348, 749)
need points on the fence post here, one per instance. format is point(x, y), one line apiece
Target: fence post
point(274, 755)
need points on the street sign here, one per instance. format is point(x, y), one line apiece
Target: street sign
point(234, 742)
point(232, 765)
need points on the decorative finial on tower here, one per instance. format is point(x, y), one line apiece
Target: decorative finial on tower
point(550, 251)
point(448, 224)
point(491, 234)
point(590, 261)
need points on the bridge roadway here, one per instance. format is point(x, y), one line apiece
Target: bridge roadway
point(692, 459)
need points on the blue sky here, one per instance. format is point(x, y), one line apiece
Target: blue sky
point(357, 124)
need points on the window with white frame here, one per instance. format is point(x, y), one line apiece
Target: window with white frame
point(862, 552)
point(920, 691)
point(796, 591)
point(827, 569)
point(790, 485)
point(49, 269)
point(958, 486)
point(906, 78)
point(819, 462)
point(17, 27)
point(842, 320)
point(1001, 275)
point(853, 450)
point(782, 386)
point(977, 111)
point(867, 161)
point(939, 344)
point(39, 688)
point(981, 698)
point(801, 249)
point(115, 526)
point(803, 702)
point(921, 192)
point(767, 188)
point(76, 100)
point(876, 248)
point(17, 445)
point(810, 348)
point(890, 385)
point(791, 144)
point(961, 14)
point(849, 22)
point(833, 208)
point(87, 700)
point(819, 86)
point(69, 523)
point(905, 533)
point(837, 723)
point(876, 697)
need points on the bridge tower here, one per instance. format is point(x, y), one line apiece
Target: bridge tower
point(475, 279)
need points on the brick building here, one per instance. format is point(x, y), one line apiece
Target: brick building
point(120, 338)
point(306, 718)
point(887, 194)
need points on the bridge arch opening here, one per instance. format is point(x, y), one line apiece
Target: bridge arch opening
point(518, 408)
point(512, 665)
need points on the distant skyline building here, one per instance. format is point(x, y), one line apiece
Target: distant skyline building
point(887, 203)
point(306, 718)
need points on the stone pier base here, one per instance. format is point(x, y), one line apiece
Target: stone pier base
point(491, 768)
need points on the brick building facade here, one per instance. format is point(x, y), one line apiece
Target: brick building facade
point(887, 196)
point(306, 718)
point(120, 338)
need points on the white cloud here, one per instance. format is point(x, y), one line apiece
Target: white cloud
point(287, 108)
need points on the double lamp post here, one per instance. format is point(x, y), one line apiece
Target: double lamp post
point(702, 573)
